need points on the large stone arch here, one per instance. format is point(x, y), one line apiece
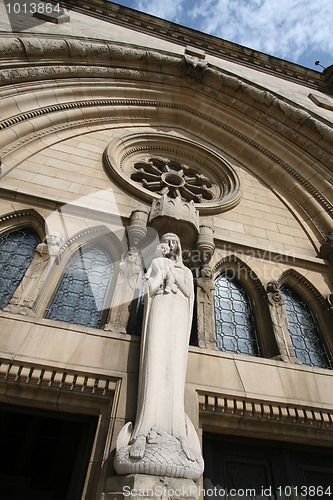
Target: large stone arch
point(286, 147)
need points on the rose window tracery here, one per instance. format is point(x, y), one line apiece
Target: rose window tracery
point(154, 165)
point(174, 179)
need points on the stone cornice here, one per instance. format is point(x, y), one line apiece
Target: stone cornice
point(111, 60)
point(174, 33)
point(39, 377)
point(222, 406)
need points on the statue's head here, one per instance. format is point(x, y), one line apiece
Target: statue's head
point(273, 286)
point(132, 255)
point(163, 249)
point(173, 241)
point(54, 238)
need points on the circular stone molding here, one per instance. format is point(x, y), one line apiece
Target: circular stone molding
point(150, 165)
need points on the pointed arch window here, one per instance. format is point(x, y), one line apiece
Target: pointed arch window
point(17, 250)
point(303, 330)
point(235, 329)
point(82, 291)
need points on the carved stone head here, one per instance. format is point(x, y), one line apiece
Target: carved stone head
point(54, 238)
point(206, 273)
point(173, 242)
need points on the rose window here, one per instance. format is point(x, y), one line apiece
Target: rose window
point(154, 165)
point(174, 179)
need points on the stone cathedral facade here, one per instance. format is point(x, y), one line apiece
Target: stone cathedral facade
point(116, 129)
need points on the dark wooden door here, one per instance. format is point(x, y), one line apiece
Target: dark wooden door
point(238, 468)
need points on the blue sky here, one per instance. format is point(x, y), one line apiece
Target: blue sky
point(300, 31)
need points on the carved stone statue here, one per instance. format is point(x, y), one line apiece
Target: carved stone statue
point(280, 323)
point(163, 441)
point(126, 291)
point(205, 309)
point(27, 291)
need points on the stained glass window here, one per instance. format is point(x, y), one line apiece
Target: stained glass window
point(235, 330)
point(81, 293)
point(17, 250)
point(303, 331)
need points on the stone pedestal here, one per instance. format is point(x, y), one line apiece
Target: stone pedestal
point(144, 487)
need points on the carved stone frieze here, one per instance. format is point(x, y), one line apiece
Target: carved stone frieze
point(59, 49)
point(174, 208)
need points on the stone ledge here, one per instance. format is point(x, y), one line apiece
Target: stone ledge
point(259, 410)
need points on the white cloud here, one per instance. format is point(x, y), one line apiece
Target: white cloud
point(284, 28)
point(165, 9)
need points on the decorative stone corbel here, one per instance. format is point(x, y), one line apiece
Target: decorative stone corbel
point(280, 323)
point(205, 243)
point(137, 228)
point(175, 215)
point(195, 65)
